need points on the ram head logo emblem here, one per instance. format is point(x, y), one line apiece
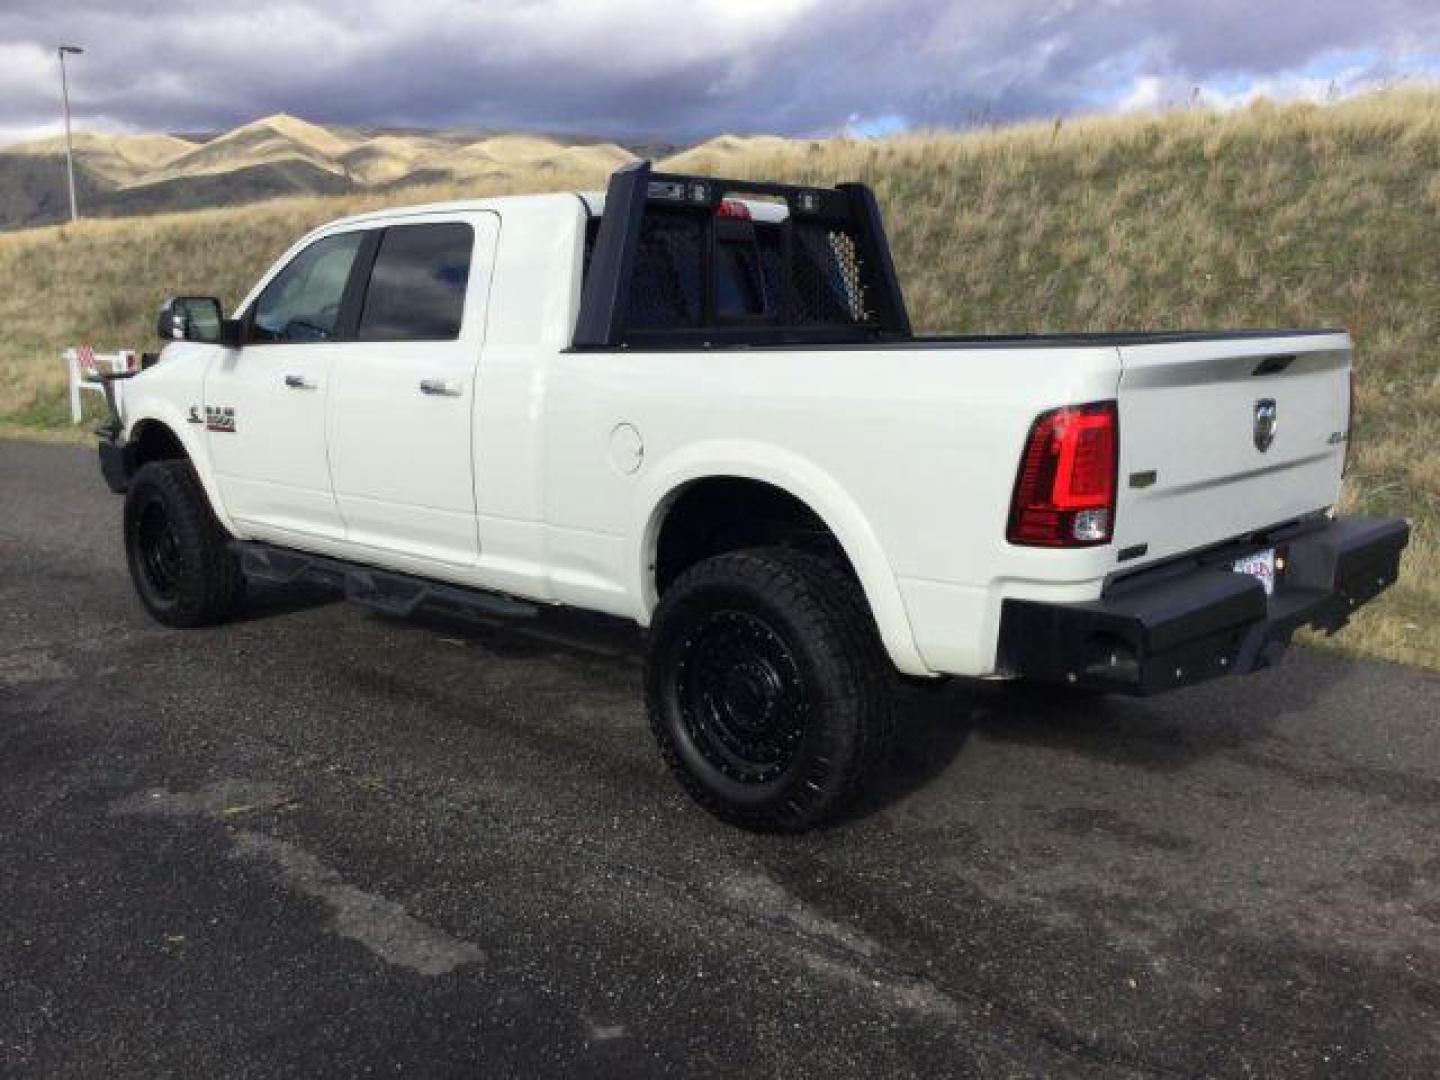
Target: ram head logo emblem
point(1264, 423)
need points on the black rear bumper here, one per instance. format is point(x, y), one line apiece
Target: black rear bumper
point(1186, 623)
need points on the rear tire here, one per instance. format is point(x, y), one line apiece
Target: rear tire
point(768, 690)
point(178, 553)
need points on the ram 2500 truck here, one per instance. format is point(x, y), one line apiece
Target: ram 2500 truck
point(698, 404)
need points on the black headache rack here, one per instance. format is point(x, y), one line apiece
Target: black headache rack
point(671, 267)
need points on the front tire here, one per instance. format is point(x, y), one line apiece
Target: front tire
point(178, 553)
point(768, 690)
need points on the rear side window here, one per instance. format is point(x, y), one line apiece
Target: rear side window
point(417, 286)
point(302, 302)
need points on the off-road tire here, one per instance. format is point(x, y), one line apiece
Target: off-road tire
point(780, 604)
point(178, 553)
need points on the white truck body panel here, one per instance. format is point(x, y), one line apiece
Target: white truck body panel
point(526, 480)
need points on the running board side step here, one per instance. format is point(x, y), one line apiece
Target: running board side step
point(384, 591)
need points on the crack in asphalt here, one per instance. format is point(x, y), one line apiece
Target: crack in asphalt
point(381, 925)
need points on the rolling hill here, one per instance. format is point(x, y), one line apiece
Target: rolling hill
point(719, 154)
point(274, 156)
point(277, 139)
point(120, 159)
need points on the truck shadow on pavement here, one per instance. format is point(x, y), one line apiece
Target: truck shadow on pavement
point(1165, 734)
point(267, 601)
point(935, 722)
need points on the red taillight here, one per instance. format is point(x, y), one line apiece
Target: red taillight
point(732, 209)
point(1065, 491)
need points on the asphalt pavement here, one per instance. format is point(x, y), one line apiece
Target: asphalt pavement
point(320, 842)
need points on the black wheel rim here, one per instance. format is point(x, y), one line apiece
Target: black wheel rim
point(742, 698)
point(159, 549)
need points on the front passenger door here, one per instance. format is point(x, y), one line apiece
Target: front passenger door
point(265, 402)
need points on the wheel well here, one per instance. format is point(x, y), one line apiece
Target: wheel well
point(153, 441)
point(720, 514)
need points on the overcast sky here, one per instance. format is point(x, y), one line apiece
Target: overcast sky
point(687, 68)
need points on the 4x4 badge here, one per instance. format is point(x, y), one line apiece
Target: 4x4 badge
point(219, 418)
point(1264, 423)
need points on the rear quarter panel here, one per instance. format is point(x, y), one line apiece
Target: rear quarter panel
point(909, 454)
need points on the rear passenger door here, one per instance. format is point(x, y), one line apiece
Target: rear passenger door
point(402, 392)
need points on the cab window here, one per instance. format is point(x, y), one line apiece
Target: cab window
point(302, 302)
point(417, 286)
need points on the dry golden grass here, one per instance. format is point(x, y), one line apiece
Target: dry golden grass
point(1273, 216)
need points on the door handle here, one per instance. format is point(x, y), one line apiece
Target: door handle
point(440, 387)
point(299, 382)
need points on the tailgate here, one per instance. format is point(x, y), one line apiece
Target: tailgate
point(1223, 436)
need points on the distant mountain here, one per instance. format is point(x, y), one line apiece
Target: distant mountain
point(285, 155)
point(118, 159)
point(716, 155)
point(273, 140)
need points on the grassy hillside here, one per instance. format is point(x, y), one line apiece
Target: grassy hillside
point(1272, 216)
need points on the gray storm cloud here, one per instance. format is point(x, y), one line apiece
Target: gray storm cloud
point(632, 67)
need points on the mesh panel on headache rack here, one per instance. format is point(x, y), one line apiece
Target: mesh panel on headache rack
point(827, 277)
point(666, 289)
point(829, 282)
point(772, 262)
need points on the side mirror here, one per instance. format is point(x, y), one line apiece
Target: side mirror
point(196, 318)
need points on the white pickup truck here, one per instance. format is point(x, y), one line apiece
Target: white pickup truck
point(698, 404)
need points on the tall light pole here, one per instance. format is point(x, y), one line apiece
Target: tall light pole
point(73, 50)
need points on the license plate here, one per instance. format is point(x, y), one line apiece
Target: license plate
point(1260, 565)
